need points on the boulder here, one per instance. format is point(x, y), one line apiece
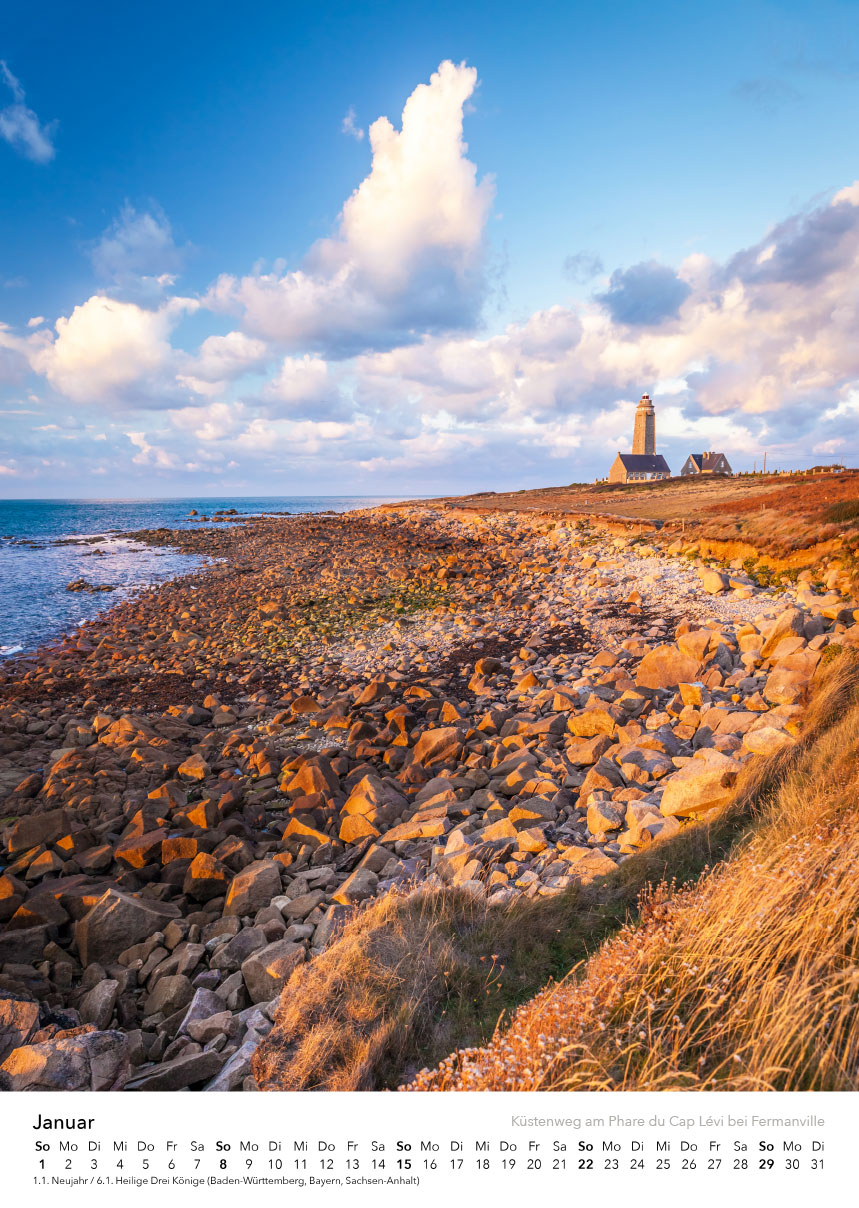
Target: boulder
point(93, 1061)
point(18, 1021)
point(204, 1031)
point(194, 768)
point(238, 1067)
point(786, 687)
point(37, 829)
point(694, 694)
point(604, 815)
point(355, 828)
point(666, 667)
point(117, 921)
point(534, 809)
point(266, 972)
point(766, 740)
point(185, 1070)
point(140, 850)
point(203, 1005)
point(703, 783)
point(231, 955)
point(360, 885)
point(207, 878)
point(788, 624)
point(253, 888)
point(300, 907)
point(97, 1004)
point(376, 800)
point(584, 751)
point(714, 582)
point(442, 745)
point(603, 775)
point(694, 644)
point(23, 947)
point(170, 993)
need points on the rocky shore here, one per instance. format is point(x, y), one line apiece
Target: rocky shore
point(197, 789)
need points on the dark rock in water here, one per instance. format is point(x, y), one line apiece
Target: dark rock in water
point(91, 588)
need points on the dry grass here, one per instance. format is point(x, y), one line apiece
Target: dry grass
point(361, 1006)
point(736, 929)
point(747, 980)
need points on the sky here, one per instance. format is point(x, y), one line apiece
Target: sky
point(395, 248)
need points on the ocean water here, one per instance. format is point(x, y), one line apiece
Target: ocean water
point(36, 608)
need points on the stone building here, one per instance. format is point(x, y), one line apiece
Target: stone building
point(706, 463)
point(638, 467)
point(643, 463)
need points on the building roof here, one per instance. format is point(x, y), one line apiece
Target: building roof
point(644, 463)
point(706, 461)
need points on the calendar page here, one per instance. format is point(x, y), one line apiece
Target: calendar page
point(429, 602)
point(376, 1149)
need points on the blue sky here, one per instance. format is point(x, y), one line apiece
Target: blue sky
point(238, 292)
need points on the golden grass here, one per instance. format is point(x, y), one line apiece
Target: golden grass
point(363, 1004)
point(747, 980)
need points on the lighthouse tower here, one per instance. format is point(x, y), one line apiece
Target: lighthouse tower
point(644, 436)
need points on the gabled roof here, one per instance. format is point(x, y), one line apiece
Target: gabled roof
point(706, 461)
point(644, 463)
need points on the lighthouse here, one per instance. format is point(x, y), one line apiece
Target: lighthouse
point(643, 463)
point(644, 435)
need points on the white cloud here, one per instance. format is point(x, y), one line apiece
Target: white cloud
point(20, 126)
point(137, 253)
point(306, 387)
point(770, 332)
point(350, 126)
point(218, 421)
point(220, 360)
point(757, 350)
point(155, 456)
point(408, 255)
point(105, 347)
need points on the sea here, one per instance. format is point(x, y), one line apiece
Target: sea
point(36, 608)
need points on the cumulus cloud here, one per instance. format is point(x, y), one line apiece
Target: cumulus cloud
point(20, 126)
point(378, 367)
point(645, 294)
point(760, 348)
point(137, 253)
point(155, 456)
point(306, 387)
point(408, 255)
point(804, 249)
point(107, 347)
point(217, 421)
point(220, 360)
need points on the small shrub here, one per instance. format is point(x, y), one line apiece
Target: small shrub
point(842, 513)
